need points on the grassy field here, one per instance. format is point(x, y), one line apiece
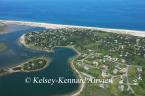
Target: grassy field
point(94, 90)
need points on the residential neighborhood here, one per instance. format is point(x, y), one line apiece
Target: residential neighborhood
point(103, 55)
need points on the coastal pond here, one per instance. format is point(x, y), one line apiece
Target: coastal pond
point(15, 84)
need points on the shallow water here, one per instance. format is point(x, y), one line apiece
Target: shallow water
point(14, 84)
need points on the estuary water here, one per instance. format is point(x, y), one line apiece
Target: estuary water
point(124, 14)
point(16, 85)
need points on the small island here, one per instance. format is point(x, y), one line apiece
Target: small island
point(34, 64)
point(120, 57)
point(103, 53)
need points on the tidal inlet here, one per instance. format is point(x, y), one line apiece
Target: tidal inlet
point(72, 48)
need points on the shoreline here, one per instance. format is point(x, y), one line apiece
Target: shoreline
point(9, 28)
point(26, 71)
point(10, 70)
point(58, 26)
point(82, 85)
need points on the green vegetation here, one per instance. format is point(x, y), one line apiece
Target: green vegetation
point(103, 55)
point(93, 90)
point(35, 64)
point(3, 47)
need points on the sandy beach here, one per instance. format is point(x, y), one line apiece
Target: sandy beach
point(82, 85)
point(22, 40)
point(58, 26)
point(10, 27)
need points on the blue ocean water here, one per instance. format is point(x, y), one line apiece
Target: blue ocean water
point(126, 14)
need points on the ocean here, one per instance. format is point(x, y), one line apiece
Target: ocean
point(121, 14)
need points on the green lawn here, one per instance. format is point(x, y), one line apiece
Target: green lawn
point(94, 90)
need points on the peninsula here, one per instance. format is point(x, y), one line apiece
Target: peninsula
point(34, 64)
point(104, 53)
